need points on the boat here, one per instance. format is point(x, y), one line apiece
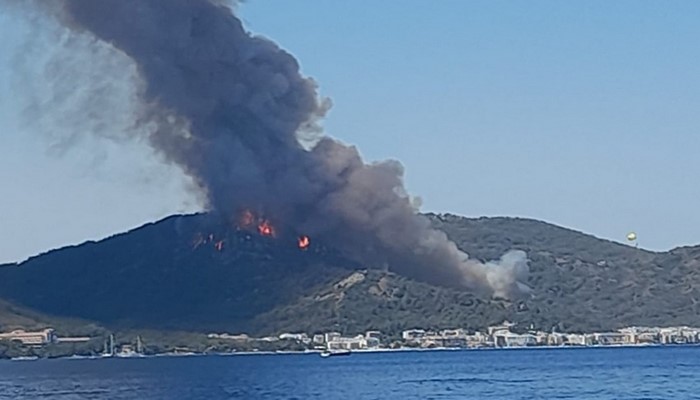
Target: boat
point(109, 347)
point(79, 357)
point(128, 351)
point(24, 358)
point(328, 353)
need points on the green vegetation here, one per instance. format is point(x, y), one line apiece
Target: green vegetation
point(14, 317)
point(157, 278)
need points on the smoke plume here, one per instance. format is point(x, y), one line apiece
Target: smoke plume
point(232, 109)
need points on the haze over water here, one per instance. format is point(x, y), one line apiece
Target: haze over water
point(611, 373)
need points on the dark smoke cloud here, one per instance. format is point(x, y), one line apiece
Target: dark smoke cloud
point(230, 108)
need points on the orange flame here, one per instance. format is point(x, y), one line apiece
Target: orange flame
point(266, 229)
point(304, 242)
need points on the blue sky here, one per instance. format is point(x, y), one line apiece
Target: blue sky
point(583, 114)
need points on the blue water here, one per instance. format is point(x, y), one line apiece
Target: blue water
point(613, 373)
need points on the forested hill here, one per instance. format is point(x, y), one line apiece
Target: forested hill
point(193, 273)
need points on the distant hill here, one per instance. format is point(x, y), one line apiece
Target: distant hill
point(584, 283)
point(193, 273)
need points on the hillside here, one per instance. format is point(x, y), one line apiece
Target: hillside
point(14, 317)
point(171, 275)
point(584, 283)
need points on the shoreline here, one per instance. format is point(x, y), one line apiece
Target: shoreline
point(361, 351)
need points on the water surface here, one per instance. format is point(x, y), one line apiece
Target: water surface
point(601, 373)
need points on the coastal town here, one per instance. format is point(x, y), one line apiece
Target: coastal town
point(498, 336)
point(501, 336)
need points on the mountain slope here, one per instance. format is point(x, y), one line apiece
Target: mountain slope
point(583, 283)
point(171, 275)
point(376, 300)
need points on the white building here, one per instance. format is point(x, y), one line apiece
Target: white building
point(692, 335)
point(556, 339)
point(319, 339)
point(36, 338)
point(374, 338)
point(647, 337)
point(449, 333)
point(412, 334)
point(503, 327)
point(613, 338)
point(373, 334)
point(574, 339)
point(299, 337)
point(515, 340)
point(478, 339)
point(347, 343)
point(331, 335)
point(679, 335)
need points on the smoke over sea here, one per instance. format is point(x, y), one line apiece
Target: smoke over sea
point(233, 112)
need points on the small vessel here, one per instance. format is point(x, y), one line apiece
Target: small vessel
point(24, 358)
point(329, 353)
point(79, 357)
point(128, 350)
point(109, 347)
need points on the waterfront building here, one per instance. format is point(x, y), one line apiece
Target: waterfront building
point(692, 334)
point(36, 338)
point(412, 334)
point(647, 337)
point(541, 337)
point(319, 339)
point(430, 340)
point(555, 339)
point(299, 337)
point(331, 335)
point(478, 339)
point(373, 334)
point(503, 327)
point(613, 338)
point(347, 343)
point(447, 333)
point(374, 339)
point(516, 340)
point(573, 339)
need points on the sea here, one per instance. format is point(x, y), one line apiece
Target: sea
point(569, 373)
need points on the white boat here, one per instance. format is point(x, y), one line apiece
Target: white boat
point(109, 347)
point(79, 357)
point(26, 358)
point(333, 353)
point(128, 351)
